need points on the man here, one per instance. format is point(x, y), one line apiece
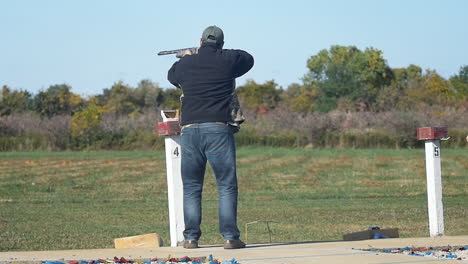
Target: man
point(209, 118)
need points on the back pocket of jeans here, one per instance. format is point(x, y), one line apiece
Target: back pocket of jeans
point(217, 142)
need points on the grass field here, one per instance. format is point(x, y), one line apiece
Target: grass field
point(73, 200)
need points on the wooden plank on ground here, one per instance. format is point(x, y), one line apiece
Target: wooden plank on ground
point(152, 240)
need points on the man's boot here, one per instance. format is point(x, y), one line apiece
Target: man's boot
point(233, 244)
point(190, 244)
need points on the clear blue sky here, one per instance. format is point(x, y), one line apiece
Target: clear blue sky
point(91, 44)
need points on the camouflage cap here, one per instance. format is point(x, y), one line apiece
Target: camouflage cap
point(213, 34)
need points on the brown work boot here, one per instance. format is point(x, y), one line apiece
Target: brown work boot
point(233, 244)
point(190, 244)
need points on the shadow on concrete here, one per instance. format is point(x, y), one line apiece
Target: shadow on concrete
point(259, 245)
point(290, 243)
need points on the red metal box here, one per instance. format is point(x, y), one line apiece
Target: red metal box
point(430, 133)
point(168, 128)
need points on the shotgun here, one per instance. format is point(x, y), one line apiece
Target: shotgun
point(178, 52)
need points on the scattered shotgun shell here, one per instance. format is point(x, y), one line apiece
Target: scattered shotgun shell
point(447, 252)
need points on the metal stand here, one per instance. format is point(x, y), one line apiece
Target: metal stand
point(257, 222)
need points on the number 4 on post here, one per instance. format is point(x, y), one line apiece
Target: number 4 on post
point(176, 152)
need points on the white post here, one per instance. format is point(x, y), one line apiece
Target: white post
point(434, 188)
point(174, 180)
point(174, 190)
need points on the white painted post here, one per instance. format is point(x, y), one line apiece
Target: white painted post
point(174, 190)
point(434, 188)
point(174, 181)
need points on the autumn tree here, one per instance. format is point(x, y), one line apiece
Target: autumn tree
point(460, 82)
point(261, 96)
point(147, 94)
point(431, 89)
point(87, 119)
point(57, 100)
point(393, 95)
point(347, 72)
point(14, 101)
point(300, 98)
point(118, 99)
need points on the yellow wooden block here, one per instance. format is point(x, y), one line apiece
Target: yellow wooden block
point(152, 240)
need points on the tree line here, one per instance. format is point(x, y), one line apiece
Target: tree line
point(341, 78)
point(346, 78)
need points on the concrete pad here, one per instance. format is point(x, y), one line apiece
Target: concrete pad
point(290, 253)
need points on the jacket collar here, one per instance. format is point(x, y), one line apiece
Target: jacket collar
point(209, 46)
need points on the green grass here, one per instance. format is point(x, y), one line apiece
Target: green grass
point(73, 200)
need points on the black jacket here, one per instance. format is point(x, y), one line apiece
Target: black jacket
point(207, 80)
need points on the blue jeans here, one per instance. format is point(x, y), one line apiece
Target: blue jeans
point(212, 142)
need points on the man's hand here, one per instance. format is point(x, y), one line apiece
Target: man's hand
point(187, 52)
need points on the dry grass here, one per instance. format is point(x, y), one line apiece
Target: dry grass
point(85, 199)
